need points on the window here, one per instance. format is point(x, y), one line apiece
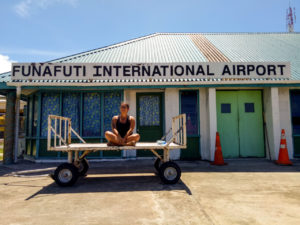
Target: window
point(50, 105)
point(71, 109)
point(149, 110)
point(92, 109)
point(225, 108)
point(249, 107)
point(112, 101)
point(91, 114)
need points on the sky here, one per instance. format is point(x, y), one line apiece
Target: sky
point(43, 30)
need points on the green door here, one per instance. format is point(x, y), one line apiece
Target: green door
point(240, 123)
point(189, 105)
point(149, 119)
point(227, 121)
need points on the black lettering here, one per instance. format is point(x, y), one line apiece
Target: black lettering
point(241, 68)
point(226, 70)
point(106, 71)
point(37, 70)
point(57, 69)
point(200, 70)
point(164, 70)
point(263, 72)
point(250, 68)
point(145, 70)
point(208, 72)
point(84, 71)
point(281, 68)
point(190, 69)
point(117, 70)
point(15, 70)
point(180, 72)
point(77, 70)
point(47, 71)
point(126, 71)
point(271, 68)
point(97, 74)
point(156, 71)
point(28, 71)
point(136, 69)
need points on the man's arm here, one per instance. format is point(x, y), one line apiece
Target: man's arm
point(132, 126)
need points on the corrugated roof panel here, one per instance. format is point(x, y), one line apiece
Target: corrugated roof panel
point(179, 47)
point(156, 48)
point(260, 47)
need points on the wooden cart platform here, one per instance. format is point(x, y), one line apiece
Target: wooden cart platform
point(60, 139)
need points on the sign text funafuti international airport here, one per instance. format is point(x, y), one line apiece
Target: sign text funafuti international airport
point(102, 71)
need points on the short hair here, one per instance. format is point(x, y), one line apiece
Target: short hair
point(126, 104)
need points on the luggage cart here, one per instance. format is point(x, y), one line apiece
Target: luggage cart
point(60, 139)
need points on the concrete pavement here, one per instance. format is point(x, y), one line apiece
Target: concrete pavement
point(250, 191)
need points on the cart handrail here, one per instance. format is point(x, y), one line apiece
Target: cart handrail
point(60, 132)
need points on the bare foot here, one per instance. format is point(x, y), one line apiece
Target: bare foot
point(111, 144)
point(131, 143)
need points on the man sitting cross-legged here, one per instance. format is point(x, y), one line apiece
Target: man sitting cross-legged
point(122, 129)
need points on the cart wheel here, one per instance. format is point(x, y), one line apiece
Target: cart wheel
point(83, 167)
point(157, 164)
point(169, 173)
point(66, 174)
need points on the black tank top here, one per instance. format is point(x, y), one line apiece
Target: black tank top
point(123, 128)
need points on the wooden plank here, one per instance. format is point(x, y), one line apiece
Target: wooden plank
point(184, 130)
point(69, 132)
point(156, 154)
point(55, 132)
point(49, 134)
point(80, 138)
point(60, 131)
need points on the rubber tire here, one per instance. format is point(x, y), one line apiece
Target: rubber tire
point(86, 167)
point(157, 164)
point(162, 169)
point(73, 169)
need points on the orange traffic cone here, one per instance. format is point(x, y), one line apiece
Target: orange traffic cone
point(283, 157)
point(219, 161)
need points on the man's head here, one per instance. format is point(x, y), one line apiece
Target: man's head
point(124, 108)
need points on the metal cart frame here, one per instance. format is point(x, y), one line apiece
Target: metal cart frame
point(60, 139)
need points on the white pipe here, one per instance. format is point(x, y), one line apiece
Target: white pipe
point(17, 118)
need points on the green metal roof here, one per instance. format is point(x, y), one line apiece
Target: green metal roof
point(153, 48)
point(179, 47)
point(260, 47)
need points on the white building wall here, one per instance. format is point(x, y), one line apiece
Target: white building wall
point(171, 110)
point(271, 114)
point(204, 124)
point(277, 113)
point(285, 117)
point(212, 116)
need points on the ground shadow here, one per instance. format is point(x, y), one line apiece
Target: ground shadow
point(139, 175)
point(114, 183)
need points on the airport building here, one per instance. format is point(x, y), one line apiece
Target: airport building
point(246, 86)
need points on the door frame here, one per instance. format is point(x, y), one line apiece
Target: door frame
point(198, 113)
point(292, 126)
point(263, 113)
point(162, 110)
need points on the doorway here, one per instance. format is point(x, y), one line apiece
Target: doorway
point(240, 123)
point(149, 118)
point(189, 105)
